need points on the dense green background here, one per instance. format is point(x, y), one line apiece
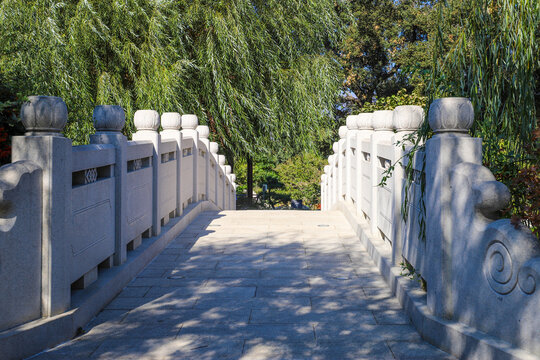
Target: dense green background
point(274, 79)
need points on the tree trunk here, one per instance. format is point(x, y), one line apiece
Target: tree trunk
point(249, 180)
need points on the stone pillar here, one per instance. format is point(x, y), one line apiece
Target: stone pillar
point(407, 119)
point(204, 133)
point(350, 154)
point(189, 130)
point(147, 124)
point(335, 173)
point(44, 118)
point(214, 148)
point(109, 120)
point(221, 189)
point(233, 194)
point(327, 187)
point(171, 122)
point(227, 198)
point(383, 132)
point(364, 124)
point(323, 192)
point(342, 149)
point(450, 119)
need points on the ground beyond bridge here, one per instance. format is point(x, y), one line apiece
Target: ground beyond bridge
point(255, 285)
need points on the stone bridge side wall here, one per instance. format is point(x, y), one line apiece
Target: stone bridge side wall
point(68, 213)
point(482, 273)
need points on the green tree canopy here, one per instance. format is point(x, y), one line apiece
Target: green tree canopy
point(257, 72)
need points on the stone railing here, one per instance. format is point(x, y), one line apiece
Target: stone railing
point(482, 274)
point(68, 213)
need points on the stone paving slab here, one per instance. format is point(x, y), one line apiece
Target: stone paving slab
point(255, 285)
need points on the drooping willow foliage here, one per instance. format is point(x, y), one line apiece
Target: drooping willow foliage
point(488, 51)
point(256, 71)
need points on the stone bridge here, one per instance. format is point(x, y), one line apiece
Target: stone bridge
point(130, 249)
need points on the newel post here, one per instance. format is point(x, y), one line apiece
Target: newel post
point(214, 148)
point(407, 119)
point(222, 186)
point(350, 156)
point(171, 122)
point(342, 150)
point(189, 130)
point(383, 132)
point(364, 124)
point(450, 119)
point(109, 120)
point(44, 118)
point(204, 153)
point(147, 123)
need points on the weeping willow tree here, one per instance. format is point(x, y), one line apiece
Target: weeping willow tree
point(488, 51)
point(256, 71)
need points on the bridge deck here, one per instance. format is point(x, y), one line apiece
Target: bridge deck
point(255, 285)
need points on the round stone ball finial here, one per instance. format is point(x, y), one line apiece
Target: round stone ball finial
point(214, 147)
point(343, 132)
point(335, 147)
point(171, 121)
point(352, 123)
point(109, 118)
point(331, 158)
point(452, 114)
point(364, 121)
point(221, 160)
point(44, 115)
point(146, 120)
point(204, 131)
point(189, 122)
point(408, 117)
point(383, 120)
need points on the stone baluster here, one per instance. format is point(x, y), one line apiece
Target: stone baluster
point(323, 192)
point(171, 123)
point(450, 119)
point(233, 202)
point(350, 156)
point(189, 130)
point(109, 120)
point(342, 148)
point(327, 187)
point(335, 173)
point(44, 118)
point(222, 186)
point(214, 148)
point(406, 119)
point(364, 125)
point(204, 133)
point(228, 182)
point(147, 123)
point(383, 132)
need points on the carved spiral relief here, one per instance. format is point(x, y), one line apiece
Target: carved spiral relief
point(499, 269)
point(529, 276)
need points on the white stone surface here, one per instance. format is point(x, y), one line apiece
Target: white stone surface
point(146, 120)
point(20, 243)
point(109, 118)
point(454, 115)
point(44, 115)
point(171, 121)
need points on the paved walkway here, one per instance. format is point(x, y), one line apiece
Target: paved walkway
point(255, 285)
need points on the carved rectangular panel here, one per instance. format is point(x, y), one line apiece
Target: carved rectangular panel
point(92, 227)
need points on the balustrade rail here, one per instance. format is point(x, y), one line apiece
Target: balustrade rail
point(480, 271)
point(67, 211)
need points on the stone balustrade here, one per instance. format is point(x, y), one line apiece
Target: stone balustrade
point(69, 213)
point(482, 273)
